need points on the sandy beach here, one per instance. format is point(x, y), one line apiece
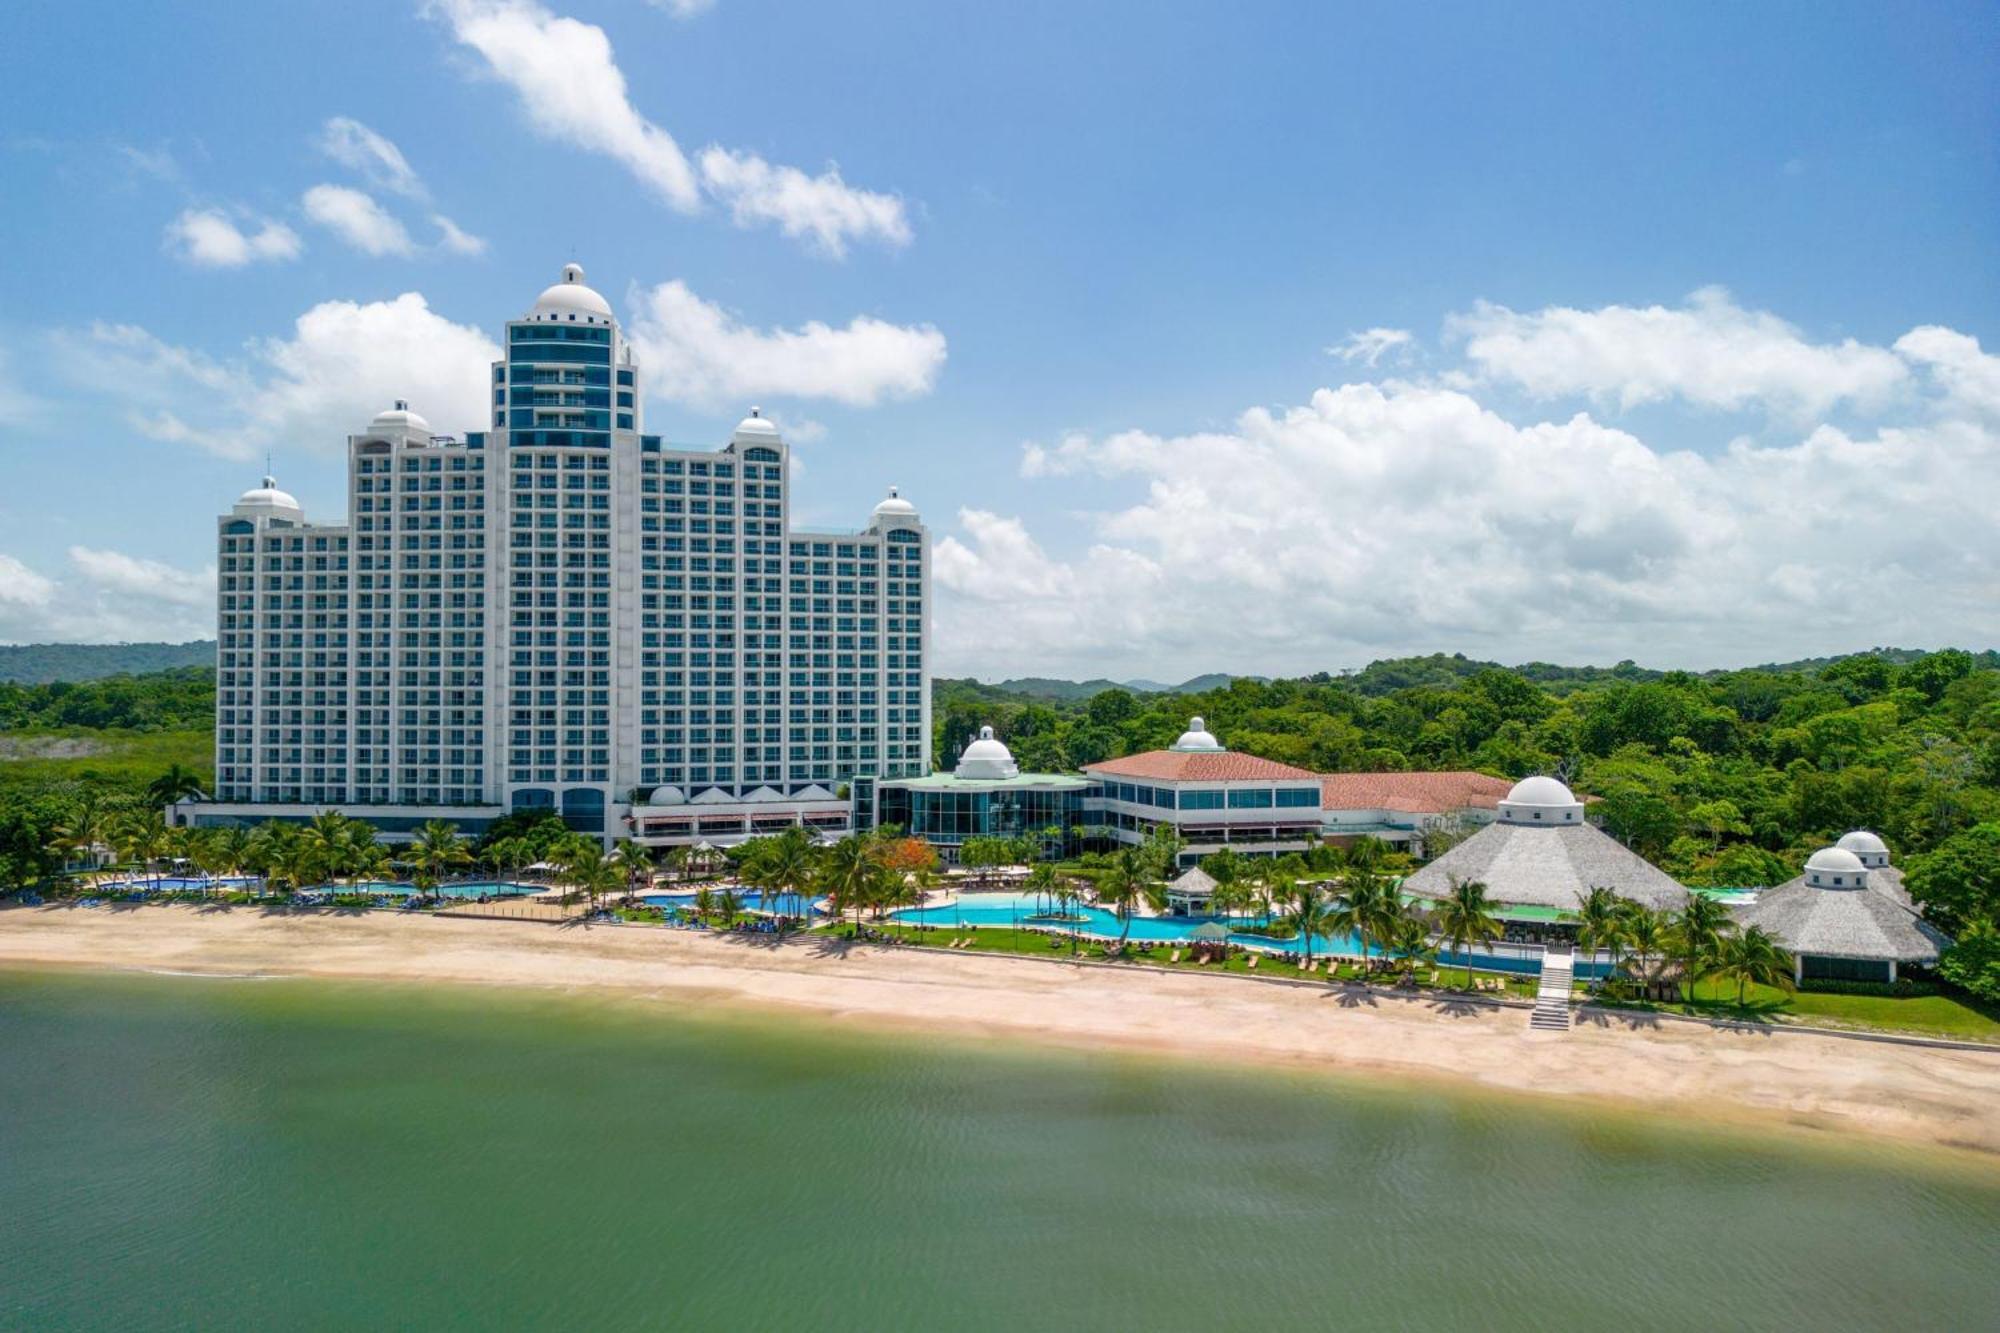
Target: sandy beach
point(1912, 1093)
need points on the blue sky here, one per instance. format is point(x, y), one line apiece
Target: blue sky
point(1684, 313)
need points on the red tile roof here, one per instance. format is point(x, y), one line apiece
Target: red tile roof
point(1412, 793)
point(1197, 766)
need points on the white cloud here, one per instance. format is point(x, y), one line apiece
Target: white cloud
point(358, 148)
point(117, 572)
point(573, 92)
point(823, 209)
point(1385, 518)
point(105, 597)
point(572, 89)
point(457, 240)
point(208, 238)
point(344, 362)
point(1970, 377)
point(1710, 352)
point(697, 352)
point(23, 587)
point(1371, 345)
point(683, 9)
point(356, 218)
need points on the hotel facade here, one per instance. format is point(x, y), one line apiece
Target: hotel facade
point(563, 613)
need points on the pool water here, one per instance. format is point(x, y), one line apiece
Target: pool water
point(1025, 909)
point(380, 888)
point(787, 904)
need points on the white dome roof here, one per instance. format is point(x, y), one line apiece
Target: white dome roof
point(1863, 843)
point(895, 506)
point(756, 429)
point(399, 418)
point(1540, 800)
point(667, 796)
point(1196, 737)
point(267, 496)
point(571, 297)
point(986, 758)
point(1540, 790)
point(1834, 859)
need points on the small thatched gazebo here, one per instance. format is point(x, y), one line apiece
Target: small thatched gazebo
point(1192, 893)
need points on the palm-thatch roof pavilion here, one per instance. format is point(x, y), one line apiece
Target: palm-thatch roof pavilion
point(1191, 893)
point(1843, 920)
point(1541, 853)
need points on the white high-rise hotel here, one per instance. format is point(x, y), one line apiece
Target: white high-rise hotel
point(564, 613)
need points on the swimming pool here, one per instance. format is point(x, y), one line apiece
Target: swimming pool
point(785, 904)
point(1025, 909)
point(379, 888)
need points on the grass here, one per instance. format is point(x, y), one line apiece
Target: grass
point(1918, 1015)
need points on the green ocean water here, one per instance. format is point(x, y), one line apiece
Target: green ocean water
point(204, 1153)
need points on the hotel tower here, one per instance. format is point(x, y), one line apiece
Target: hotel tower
point(564, 613)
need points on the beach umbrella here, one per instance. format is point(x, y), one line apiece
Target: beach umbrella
point(1211, 932)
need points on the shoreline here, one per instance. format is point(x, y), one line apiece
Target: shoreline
point(1694, 1075)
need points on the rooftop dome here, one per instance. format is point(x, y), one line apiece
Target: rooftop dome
point(895, 506)
point(571, 297)
point(1829, 859)
point(1196, 737)
point(1835, 868)
point(266, 497)
point(987, 759)
point(667, 796)
point(755, 429)
point(1541, 800)
point(1871, 849)
point(399, 418)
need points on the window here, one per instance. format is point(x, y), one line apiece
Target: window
point(1250, 798)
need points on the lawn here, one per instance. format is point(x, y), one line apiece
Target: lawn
point(1924, 1015)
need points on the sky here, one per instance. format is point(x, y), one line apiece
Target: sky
point(1252, 337)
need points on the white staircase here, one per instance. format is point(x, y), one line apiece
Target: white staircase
point(1551, 1012)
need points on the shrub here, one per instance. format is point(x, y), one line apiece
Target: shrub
point(1973, 964)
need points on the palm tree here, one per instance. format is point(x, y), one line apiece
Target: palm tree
point(784, 866)
point(1043, 881)
point(368, 860)
point(1601, 918)
point(1310, 912)
point(1411, 937)
point(850, 874)
point(174, 784)
point(1126, 884)
point(1464, 916)
point(1698, 931)
point(1754, 957)
point(437, 849)
point(633, 861)
point(331, 838)
point(142, 837)
point(1649, 935)
point(1367, 906)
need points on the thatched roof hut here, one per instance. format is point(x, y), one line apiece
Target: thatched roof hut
point(1541, 853)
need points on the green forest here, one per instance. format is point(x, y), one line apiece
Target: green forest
point(1722, 777)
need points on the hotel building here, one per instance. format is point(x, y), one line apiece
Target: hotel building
point(1209, 796)
point(564, 613)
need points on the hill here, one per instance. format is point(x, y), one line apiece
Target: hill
point(40, 663)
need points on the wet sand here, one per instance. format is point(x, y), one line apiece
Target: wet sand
point(1911, 1093)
